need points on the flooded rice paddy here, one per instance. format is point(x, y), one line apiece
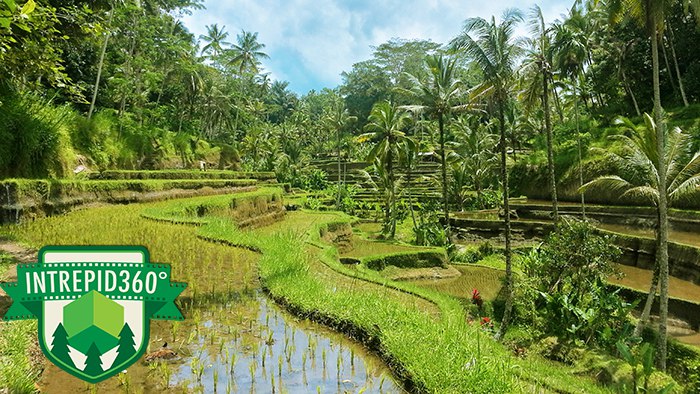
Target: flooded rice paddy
point(233, 338)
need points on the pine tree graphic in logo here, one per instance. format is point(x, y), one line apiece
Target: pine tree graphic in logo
point(93, 305)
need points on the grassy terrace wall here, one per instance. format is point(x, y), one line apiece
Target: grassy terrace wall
point(417, 259)
point(683, 220)
point(246, 209)
point(182, 174)
point(637, 251)
point(29, 198)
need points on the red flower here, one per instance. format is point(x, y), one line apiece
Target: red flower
point(485, 321)
point(476, 298)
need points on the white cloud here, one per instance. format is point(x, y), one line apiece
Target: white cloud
point(311, 42)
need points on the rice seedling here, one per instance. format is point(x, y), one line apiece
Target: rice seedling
point(280, 362)
point(165, 373)
point(124, 382)
point(251, 370)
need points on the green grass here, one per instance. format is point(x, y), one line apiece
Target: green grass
point(214, 273)
point(447, 355)
point(485, 279)
point(18, 372)
point(13, 191)
point(181, 174)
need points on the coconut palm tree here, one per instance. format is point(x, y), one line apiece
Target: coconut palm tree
point(639, 176)
point(385, 128)
point(495, 50)
point(473, 152)
point(438, 96)
point(651, 14)
point(215, 39)
point(570, 56)
point(536, 76)
point(337, 119)
point(388, 186)
point(247, 52)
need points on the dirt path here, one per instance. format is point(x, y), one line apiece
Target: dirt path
point(19, 254)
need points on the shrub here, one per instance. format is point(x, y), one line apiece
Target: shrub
point(313, 179)
point(564, 292)
point(96, 138)
point(34, 140)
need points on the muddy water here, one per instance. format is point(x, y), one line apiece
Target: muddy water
point(640, 279)
point(681, 237)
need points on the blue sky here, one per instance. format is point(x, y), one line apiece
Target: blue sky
point(310, 42)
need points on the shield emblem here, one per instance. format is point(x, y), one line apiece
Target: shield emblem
point(93, 337)
point(94, 305)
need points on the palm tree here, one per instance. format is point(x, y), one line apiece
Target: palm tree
point(383, 182)
point(640, 158)
point(651, 14)
point(247, 52)
point(473, 152)
point(215, 39)
point(570, 48)
point(385, 128)
point(437, 96)
point(338, 119)
point(495, 51)
point(536, 72)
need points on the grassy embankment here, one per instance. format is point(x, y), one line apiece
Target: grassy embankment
point(433, 355)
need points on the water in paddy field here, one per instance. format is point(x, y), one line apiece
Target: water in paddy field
point(245, 345)
point(681, 237)
point(278, 353)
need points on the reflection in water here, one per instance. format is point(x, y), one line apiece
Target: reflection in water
point(274, 353)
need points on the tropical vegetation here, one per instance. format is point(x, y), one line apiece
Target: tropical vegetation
point(422, 149)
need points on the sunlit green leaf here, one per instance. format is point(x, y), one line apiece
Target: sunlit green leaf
point(11, 5)
point(28, 8)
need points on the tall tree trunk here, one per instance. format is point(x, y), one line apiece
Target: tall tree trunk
point(668, 67)
point(506, 207)
point(675, 63)
point(662, 255)
point(443, 164)
point(628, 88)
point(580, 154)
point(652, 288)
point(390, 207)
point(103, 50)
point(409, 173)
point(557, 104)
point(337, 199)
point(550, 150)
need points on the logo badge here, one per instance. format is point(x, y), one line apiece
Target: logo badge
point(93, 304)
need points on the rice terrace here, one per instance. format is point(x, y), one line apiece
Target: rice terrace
point(350, 197)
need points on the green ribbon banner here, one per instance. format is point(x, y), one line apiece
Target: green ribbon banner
point(145, 282)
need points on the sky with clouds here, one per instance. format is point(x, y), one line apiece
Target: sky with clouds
point(310, 42)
